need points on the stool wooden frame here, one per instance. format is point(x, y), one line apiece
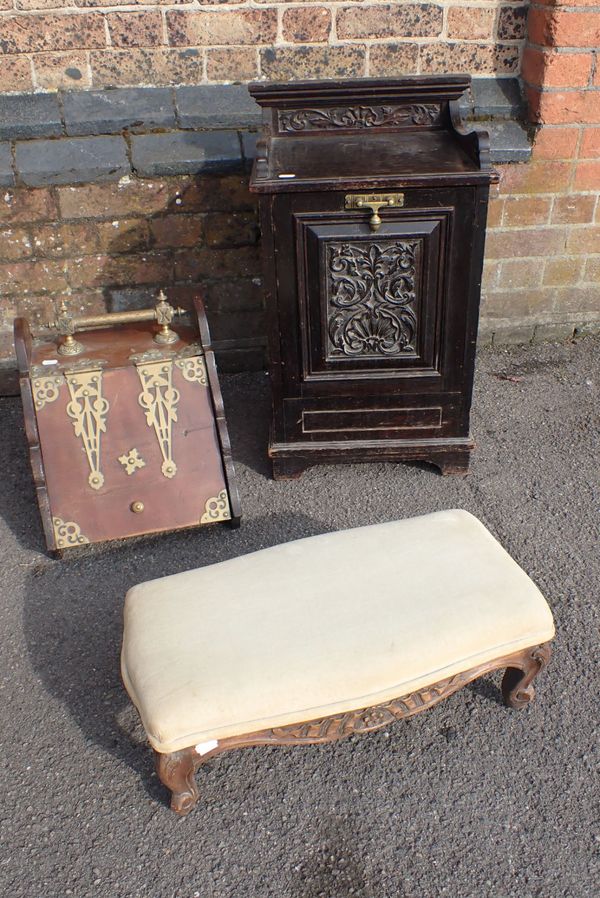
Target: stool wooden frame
point(176, 770)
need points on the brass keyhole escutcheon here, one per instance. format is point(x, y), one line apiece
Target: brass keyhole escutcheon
point(374, 202)
point(137, 507)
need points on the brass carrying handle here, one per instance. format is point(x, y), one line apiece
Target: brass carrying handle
point(374, 202)
point(67, 324)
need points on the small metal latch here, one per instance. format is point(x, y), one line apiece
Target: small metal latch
point(374, 202)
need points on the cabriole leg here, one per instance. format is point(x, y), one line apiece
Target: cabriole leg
point(517, 688)
point(176, 772)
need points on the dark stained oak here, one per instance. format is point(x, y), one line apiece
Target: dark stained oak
point(372, 329)
point(176, 770)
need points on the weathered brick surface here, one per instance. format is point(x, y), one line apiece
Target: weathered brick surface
point(398, 20)
point(584, 240)
point(526, 210)
point(135, 29)
point(117, 240)
point(54, 71)
point(556, 143)
point(31, 34)
point(33, 277)
point(177, 230)
point(512, 22)
point(231, 229)
point(559, 272)
point(21, 205)
point(470, 22)
point(525, 242)
point(556, 69)
point(128, 197)
point(313, 62)
point(15, 243)
point(574, 208)
point(146, 67)
point(103, 270)
point(58, 239)
point(232, 64)
point(174, 42)
point(590, 143)
point(15, 74)
point(306, 25)
point(217, 263)
point(519, 274)
point(535, 177)
point(587, 175)
point(210, 29)
point(393, 59)
point(563, 28)
point(469, 57)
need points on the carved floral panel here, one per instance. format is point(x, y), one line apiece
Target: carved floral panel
point(358, 117)
point(371, 296)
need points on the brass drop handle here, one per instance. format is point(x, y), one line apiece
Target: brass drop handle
point(374, 202)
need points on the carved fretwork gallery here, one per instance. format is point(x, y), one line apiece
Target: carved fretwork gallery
point(373, 202)
point(177, 770)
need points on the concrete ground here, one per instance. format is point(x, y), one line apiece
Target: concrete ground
point(469, 800)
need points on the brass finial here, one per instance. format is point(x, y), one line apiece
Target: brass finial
point(164, 315)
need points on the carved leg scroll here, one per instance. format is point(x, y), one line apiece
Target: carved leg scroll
point(517, 688)
point(176, 772)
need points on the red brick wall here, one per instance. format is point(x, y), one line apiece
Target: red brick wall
point(543, 250)
point(47, 44)
point(96, 240)
point(542, 269)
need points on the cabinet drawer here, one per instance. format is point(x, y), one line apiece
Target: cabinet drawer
point(372, 419)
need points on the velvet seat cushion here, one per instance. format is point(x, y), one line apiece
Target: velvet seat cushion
point(323, 625)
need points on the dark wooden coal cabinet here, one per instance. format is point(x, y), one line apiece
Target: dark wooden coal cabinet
point(373, 202)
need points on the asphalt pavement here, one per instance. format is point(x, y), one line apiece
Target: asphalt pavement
point(468, 800)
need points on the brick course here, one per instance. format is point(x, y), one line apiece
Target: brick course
point(106, 243)
point(47, 45)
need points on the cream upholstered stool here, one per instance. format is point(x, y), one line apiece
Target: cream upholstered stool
point(327, 636)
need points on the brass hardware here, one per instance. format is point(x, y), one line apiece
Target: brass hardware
point(131, 461)
point(67, 534)
point(159, 355)
point(193, 369)
point(45, 389)
point(159, 400)
point(216, 509)
point(137, 507)
point(88, 409)
point(374, 202)
point(67, 324)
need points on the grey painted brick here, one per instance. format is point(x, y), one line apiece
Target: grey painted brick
point(111, 111)
point(7, 178)
point(217, 106)
point(508, 142)
point(186, 152)
point(29, 115)
point(72, 160)
point(493, 97)
point(249, 139)
point(465, 103)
